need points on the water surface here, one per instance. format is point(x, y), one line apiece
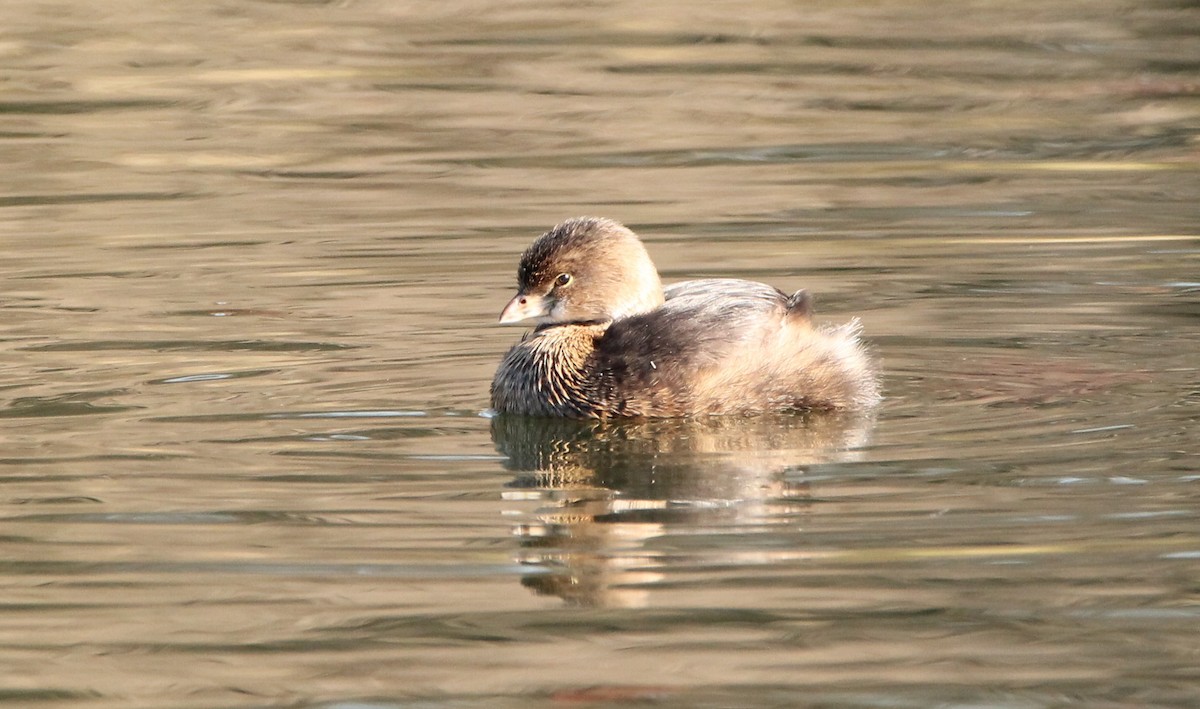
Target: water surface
point(254, 252)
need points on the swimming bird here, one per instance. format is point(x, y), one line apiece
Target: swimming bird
point(610, 341)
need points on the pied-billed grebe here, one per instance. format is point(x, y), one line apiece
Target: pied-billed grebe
point(611, 341)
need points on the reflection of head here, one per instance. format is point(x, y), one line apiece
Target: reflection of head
point(608, 486)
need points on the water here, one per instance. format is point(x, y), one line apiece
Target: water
point(254, 252)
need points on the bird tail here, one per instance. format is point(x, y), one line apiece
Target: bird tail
point(800, 307)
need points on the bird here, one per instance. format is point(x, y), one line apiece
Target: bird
point(609, 341)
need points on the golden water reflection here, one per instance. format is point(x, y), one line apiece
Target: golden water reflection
point(606, 489)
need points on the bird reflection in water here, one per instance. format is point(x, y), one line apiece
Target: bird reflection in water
point(602, 491)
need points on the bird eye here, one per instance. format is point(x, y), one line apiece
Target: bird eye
point(563, 279)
